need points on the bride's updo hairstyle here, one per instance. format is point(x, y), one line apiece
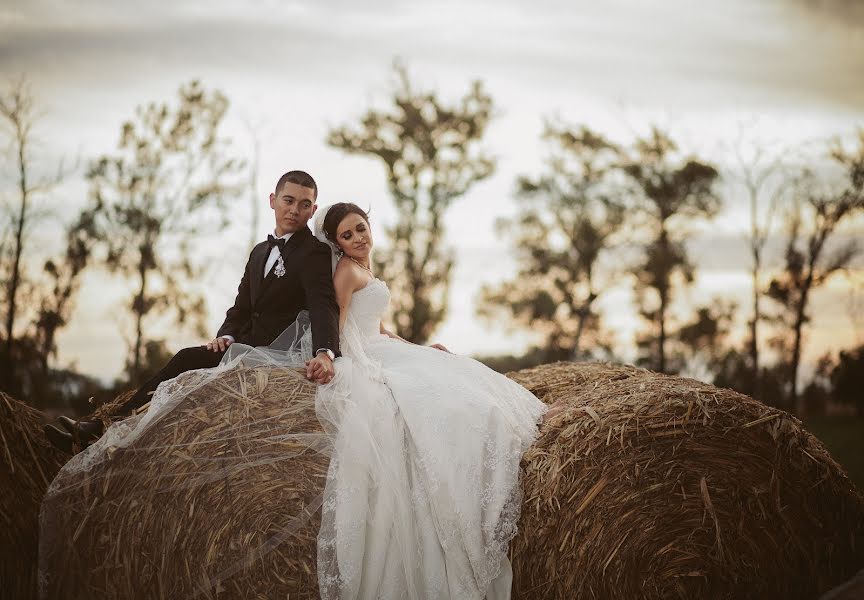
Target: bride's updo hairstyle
point(336, 213)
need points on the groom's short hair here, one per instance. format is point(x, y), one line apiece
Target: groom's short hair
point(300, 178)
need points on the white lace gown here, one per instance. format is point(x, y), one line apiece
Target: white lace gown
point(422, 495)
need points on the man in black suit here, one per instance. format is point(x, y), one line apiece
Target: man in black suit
point(289, 272)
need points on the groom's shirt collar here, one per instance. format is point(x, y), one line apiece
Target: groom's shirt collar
point(285, 237)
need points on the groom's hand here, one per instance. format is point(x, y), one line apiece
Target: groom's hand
point(320, 368)
point(219, 344)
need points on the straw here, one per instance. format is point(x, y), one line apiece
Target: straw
point(651, 486)
point(645, 486)
point(28, 463)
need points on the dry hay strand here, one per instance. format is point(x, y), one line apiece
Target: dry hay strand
point(651, 486)
point(28, 463)
point(109, 412)
point(150, 527)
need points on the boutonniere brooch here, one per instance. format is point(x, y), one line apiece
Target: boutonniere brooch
point(279, 270)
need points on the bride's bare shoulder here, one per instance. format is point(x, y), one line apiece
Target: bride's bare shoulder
point(348, 277)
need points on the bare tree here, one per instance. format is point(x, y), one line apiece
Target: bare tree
point(765, 184)
point(18, 117)
point(432, 156)
point(810, 261)
point(16, 108)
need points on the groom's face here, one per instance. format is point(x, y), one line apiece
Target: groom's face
point(293, 205)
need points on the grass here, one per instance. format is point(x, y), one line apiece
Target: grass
point(844, 438)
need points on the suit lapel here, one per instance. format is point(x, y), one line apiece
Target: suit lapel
point(258, 260)
point(295, 241)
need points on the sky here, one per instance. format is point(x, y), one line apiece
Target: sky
point(782, 75)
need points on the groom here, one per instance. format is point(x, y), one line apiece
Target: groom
point(289, 272)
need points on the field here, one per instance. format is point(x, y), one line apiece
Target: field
point(844, 438)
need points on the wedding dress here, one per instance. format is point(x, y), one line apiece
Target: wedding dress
point(422, 495)
point(422, 491)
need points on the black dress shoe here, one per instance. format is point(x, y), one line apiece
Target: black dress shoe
point(68, 423)
point(62, 440)
point(87, 431)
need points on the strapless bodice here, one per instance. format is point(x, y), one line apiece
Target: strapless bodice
point(368, 306)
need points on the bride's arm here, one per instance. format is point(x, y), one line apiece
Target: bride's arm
point(390, 334)
point(396, 337)
point(346, 281)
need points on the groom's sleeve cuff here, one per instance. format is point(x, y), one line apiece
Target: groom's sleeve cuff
point(230, 338)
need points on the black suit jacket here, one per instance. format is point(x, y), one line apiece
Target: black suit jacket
point(266, 306)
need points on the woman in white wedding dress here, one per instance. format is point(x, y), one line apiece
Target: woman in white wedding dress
point(422, 495)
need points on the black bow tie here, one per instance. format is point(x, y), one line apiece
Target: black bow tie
point(272, 241)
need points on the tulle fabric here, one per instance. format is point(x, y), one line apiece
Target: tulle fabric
point(422, 492)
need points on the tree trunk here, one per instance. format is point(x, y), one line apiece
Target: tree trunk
point(139, 318)
point(756, 242)
point(661, 341)
point(15, 279)
point(583, 312)
point(412, 333)
point(582, 316)
point(663, 291)
point(415, 318)
point(800, 316)
point(416, 284)
point(798, 402)
point(754, 327)
point(815, 246)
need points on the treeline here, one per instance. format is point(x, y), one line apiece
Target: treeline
point(602, 212)
point(171, 179)
point(599, 212)
point(598, 201)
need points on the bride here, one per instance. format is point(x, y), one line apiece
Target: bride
point(421, 497)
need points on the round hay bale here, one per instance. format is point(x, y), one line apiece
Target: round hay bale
point(28, 463)
point(651, 486)
point(646, 486)
point(149, 526)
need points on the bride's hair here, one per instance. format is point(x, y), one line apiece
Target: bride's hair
point(334, 216)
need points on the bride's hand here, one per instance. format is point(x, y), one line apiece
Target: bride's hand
point(440, 347)
point(320, 369)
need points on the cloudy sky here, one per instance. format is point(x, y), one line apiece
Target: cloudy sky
point(785, 75)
